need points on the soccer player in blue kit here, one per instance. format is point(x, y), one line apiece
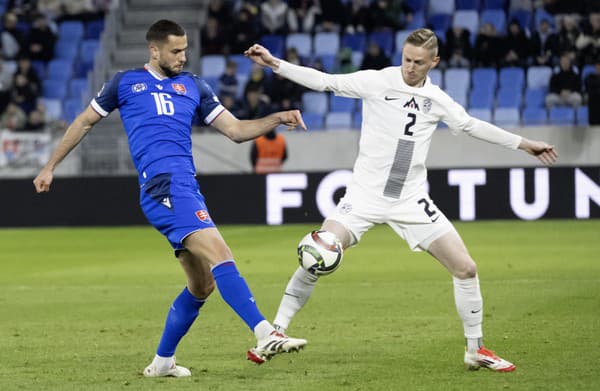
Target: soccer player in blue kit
point(157, 104)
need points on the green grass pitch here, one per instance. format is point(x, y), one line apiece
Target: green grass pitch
point(83, 309)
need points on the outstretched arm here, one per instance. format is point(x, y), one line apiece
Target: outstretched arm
point(545, 152)
point(244, 130)
point(73, 135)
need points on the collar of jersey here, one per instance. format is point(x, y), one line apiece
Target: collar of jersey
point(154, 74)
point(415, 89)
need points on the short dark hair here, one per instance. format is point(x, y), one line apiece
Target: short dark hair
point(160, 31)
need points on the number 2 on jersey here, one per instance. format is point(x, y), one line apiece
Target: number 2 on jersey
point(164, 105)
point(413, 120)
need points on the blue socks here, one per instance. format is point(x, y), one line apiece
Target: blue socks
point(182, 314)
point(235, 292)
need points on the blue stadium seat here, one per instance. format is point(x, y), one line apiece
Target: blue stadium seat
point(94, 28)
point(59, 69)
point(436, 77)
point(468, 4)
point(467, 19)
point(494, 4)
point(212, 65)
point(213, 83)
point(66, 49)
point(357, 119)
point(385, 40)
point(583, 116)
point(40, 68)
point(244, 64)
point(315, 102)
point(397, 58)
point(481, 98)
point(54, 89)
point(534, 116)
point(72, 30)
point(357, 42)
point(440, 21)
point(541, 14)
point(506, 117)
point(242, 79)
point(275, 44)
point(87, 50)
point(400, 38)
point(482, 114)
point(512, 76)
point(53, 107)
point(417, 21)
point(326, 43)
point(456, 83)
point(535, 97)
point(562, 115)
point(538, 77)
point(482, 77)
point(301, 41)
point(338, 120)
point(329, 62)
point(523, 17)
point(586, 71)
point(440, 7)
point(313, 121)
point(341, 104)
point(71, 108)
point(416, 5)
point(496, 17)
point(509, 97)
point(77, 87)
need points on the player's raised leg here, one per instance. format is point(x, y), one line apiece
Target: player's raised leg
point(451, 251)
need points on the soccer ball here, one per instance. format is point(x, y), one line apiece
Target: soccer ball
point(320, 252)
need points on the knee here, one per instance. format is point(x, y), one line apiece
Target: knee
point(468, 270)
point(203, 290)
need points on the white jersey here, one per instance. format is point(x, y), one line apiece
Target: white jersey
point(397, 126)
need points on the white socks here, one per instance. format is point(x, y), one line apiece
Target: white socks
point(263, 329)
point(469, 305)
point(162, 364)
point(296, 294)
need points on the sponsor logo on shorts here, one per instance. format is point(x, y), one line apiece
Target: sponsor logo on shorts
point(203, 216)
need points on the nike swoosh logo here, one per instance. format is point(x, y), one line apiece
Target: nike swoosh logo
point(474, 312)
point(391, 98)
point(434, 220)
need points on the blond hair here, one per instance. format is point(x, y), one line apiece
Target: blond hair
point(424, 38)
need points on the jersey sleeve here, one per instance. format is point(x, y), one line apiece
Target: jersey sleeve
point(107, 98)
point(453, 114)
point(209, 106)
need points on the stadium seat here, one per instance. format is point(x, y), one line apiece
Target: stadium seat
point(313, 121)
point(509, 97)
point(400, 38)
point(467, 19)
point(481, 97)
point(562, 115)
point(357, 42)
point(416, 5)
point(213, 83)
point(494, 4)
point(212, 65)
point(397, 59)
point(468, 4)
point(94, 28)
point(71, 108)
point(482, 114)
point(440, 7)
point(534, 116)
point(535, 97)
point(357, 119)
point(338, 120)
point(66, 49)
point(315, 102)
point(538, 76)
point(385, 40)
point(244, 64)
point(459, 95)
point(541, 14)
point(59, 69)
point(53, 107)
point(329, 62)
point(275, 44)
point(87, 50)
point(512, 76)
point(583, 116)
point(71, 30)
point(341, 104)
point(357, 58)
point(39, 67)
point(506, 117)
point(54, 89)
point(418, 21)
point(523, 17)
point(77, 87)
point(242, 79)
point(457, 79)
point(496, 17)
point(586, 71)
point(326, 43)
point(436, 77)
point(301, 41)
point(440, 21)
point(484, 77)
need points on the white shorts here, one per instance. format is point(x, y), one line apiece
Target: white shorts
point(417, 219)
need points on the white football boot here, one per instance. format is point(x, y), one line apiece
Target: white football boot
point(172, 370)
point(487, 359)
point(275, 343)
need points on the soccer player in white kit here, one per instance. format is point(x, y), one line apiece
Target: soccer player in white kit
point(401, 110)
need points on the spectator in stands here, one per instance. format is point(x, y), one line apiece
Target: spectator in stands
point(273, 17)
point(228, 82)
point(212, 37)
point(332, 17)
point(302, 16)
point(13, 40)
point(458, 47)
point(24, 68)
point(488, 47)
point(222, 11)
point(41, 39)
point(375, 58)
point(83, 10)
point(517, 47)
point(257, 82)
point(24, 93)
point(357, 16)
point(291, 55)
point(13, 118)
point(544, 43)
point(564, 6)
point(516, 5)
point(254, 104)
point(588, 42)
point(51, 8)
point(231, 104)
point(285, 94)
point(344, 62)
point(592, 86)
point(268, 153)
point(6, 82)
point(244, 32)
point(565, 85)
point(388, 15)
point(567, 35)
point(35, 121)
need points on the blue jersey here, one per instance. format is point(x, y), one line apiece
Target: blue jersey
point(157, 113)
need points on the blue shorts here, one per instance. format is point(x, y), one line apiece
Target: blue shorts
point(174, 205)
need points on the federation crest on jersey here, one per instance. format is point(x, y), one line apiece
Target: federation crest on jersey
point(179, 88)
point(412, 104)
point(203, 215)
point(426, 105)
point(139, 87)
